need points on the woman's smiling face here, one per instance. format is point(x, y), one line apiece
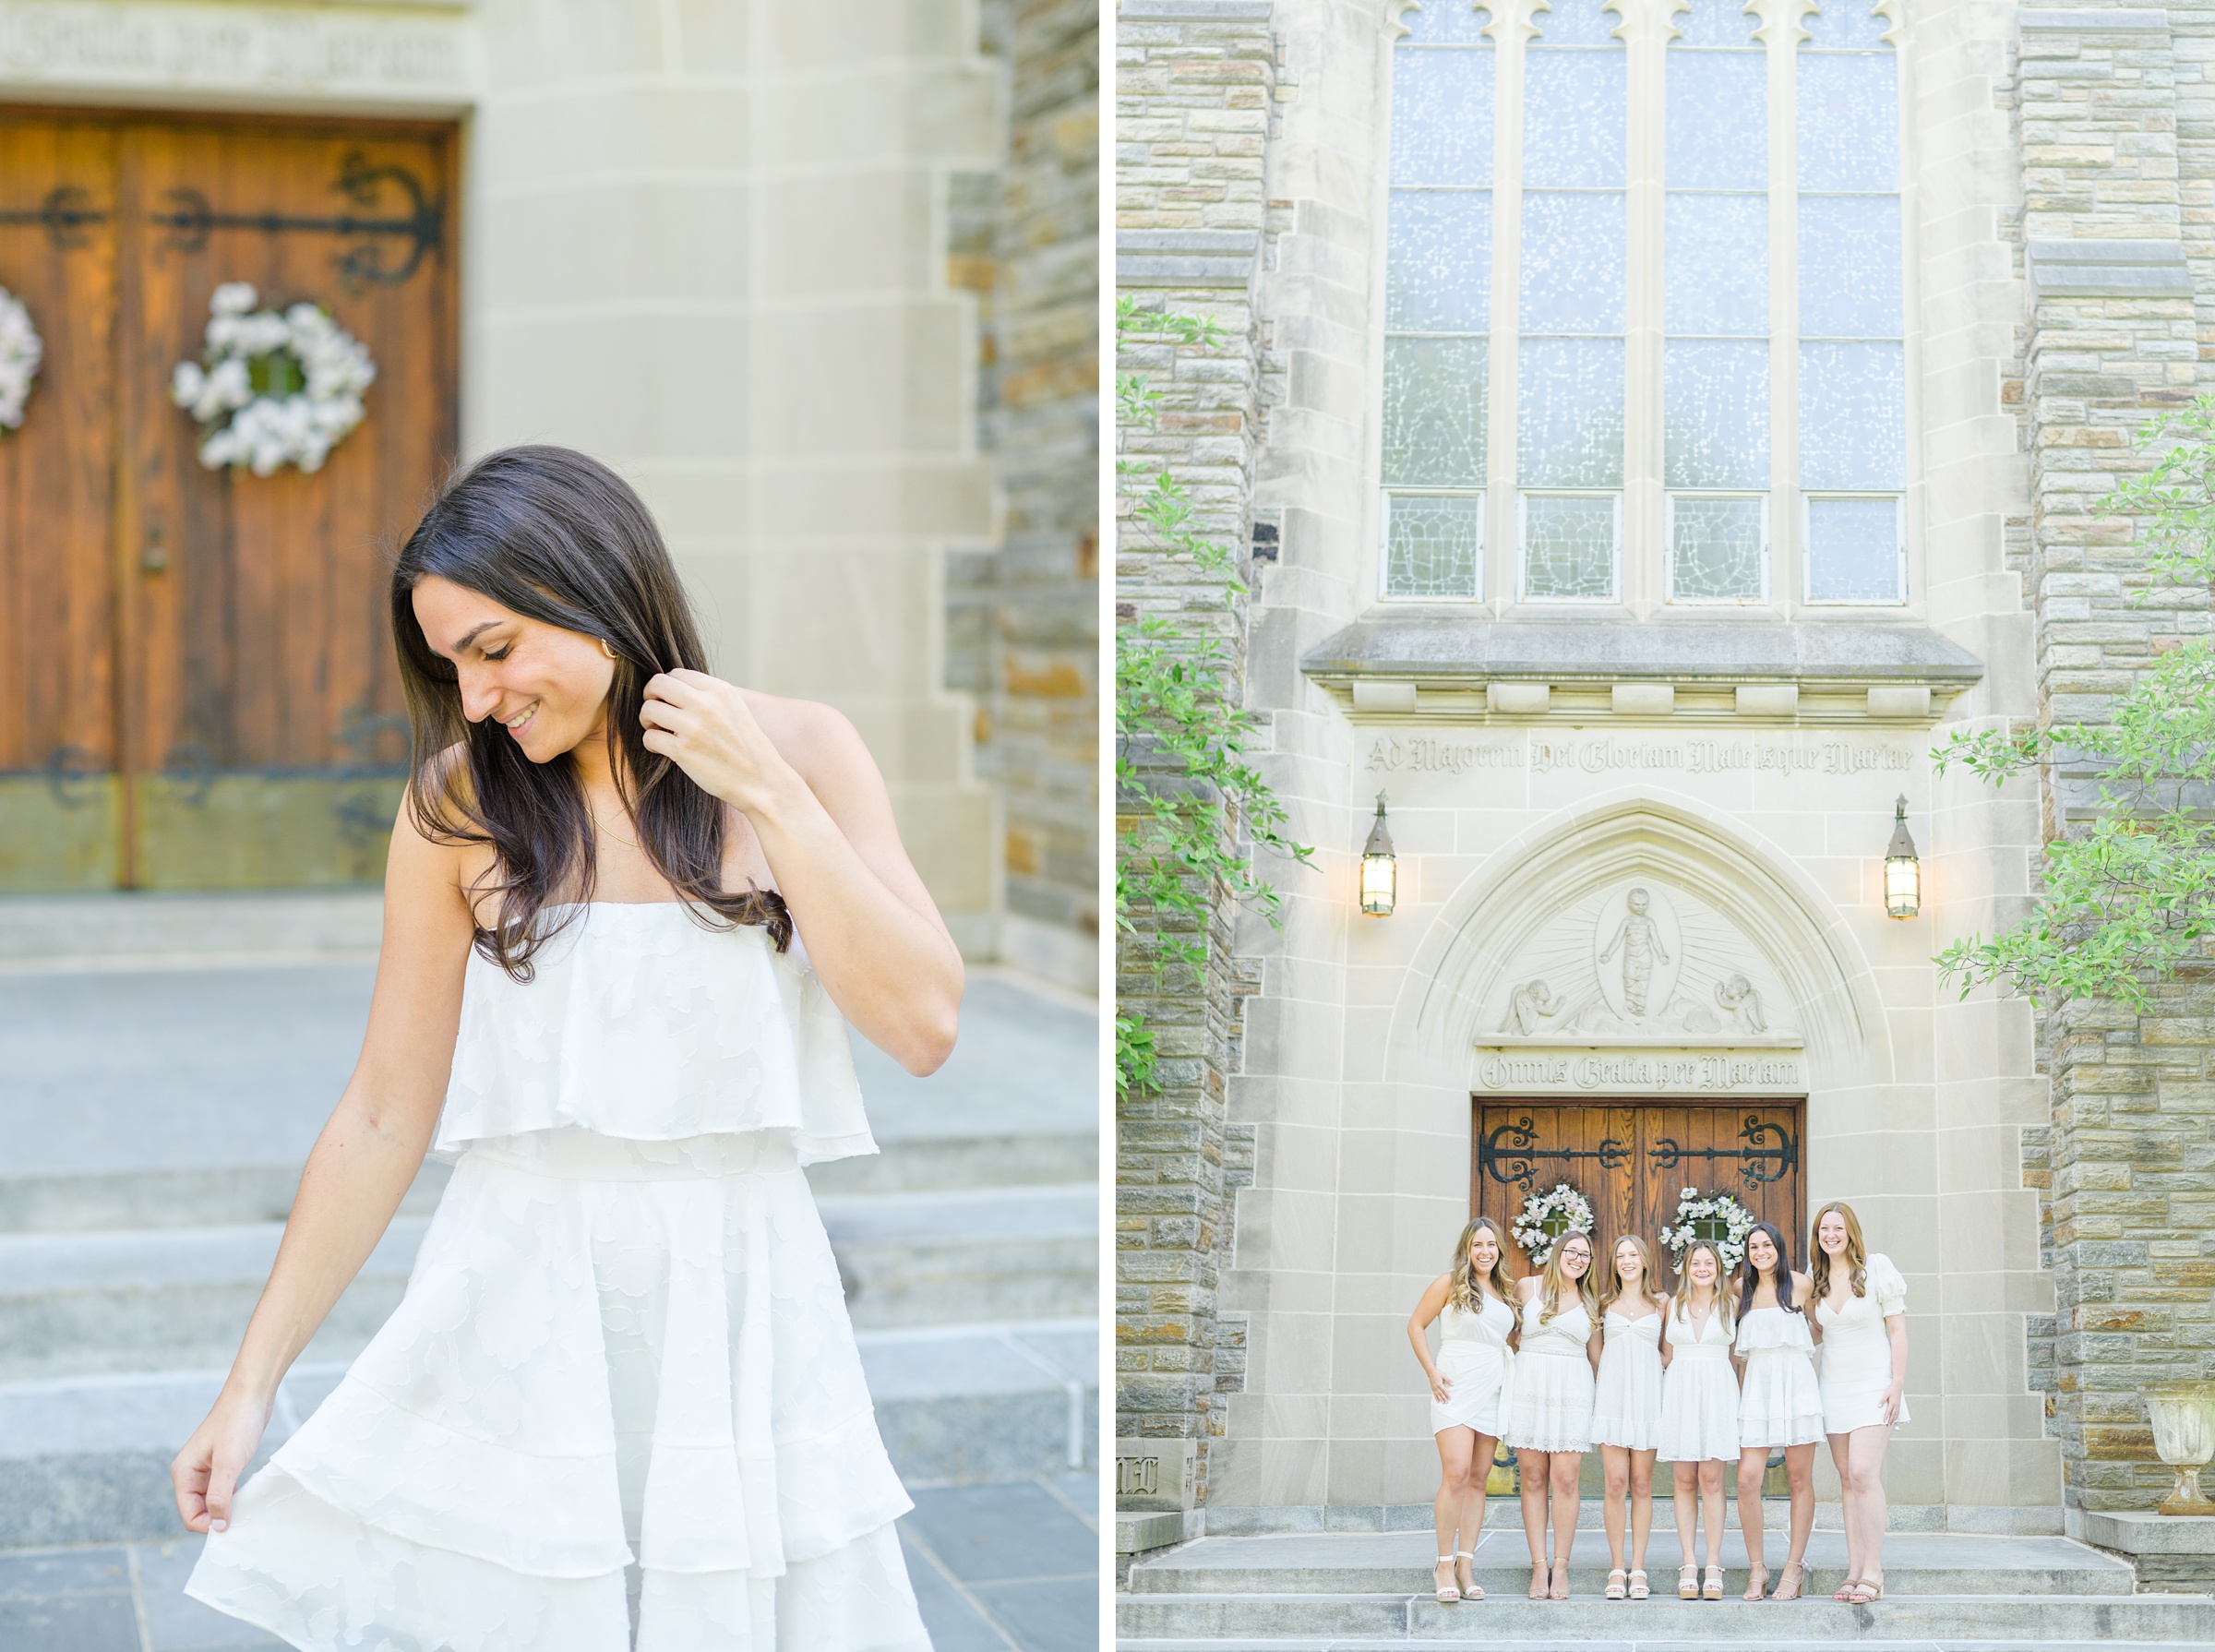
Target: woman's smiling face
point(546, 686)
point(1761, 1251)
point(1484, 1251)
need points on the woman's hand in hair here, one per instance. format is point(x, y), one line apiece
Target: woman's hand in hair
point(704, 725)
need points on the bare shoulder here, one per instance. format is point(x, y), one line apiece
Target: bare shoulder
point(427, 871)
point(1527, 1288)
point(818, 740)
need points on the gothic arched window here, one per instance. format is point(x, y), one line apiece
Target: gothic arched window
point(1644, 305)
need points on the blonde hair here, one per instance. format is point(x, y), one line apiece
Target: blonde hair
point(1613, 1294)
point(1685, 1285)
point(1463, 1291)
point(1551, 1280)
point(1857, 1253)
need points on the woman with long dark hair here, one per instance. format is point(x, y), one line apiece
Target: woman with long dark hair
point(1862, 1308)
point(1470, 1302)
point(621, 1396)
point(1779, 1403)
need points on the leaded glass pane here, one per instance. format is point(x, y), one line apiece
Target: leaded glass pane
point(1717, 23)
point(1568, 549)
point(1850, 267)
point(1848, 120)
point(1844, 23)
point(1717, 120)
point(1573, 119)
point(1714, 426)
point(1715, 264)
point(1442, 117)
point(1433, 546)
point(1576, 23)
point(1569, 427)
point(1439, 261)
point(1445, 21)
point(1572, 262)
point(1435, 402)
point(1853, 550)
point(1716, 553)
point(1852, 415)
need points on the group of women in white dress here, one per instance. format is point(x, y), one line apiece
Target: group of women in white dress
point(1721, 1371)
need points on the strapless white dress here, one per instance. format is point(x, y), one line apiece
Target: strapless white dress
point(1549, 1399)
point(622, 1383)
point(1475, 1361)
point(1854, 1368)
point(1779, 1402)
point(1626, 1396)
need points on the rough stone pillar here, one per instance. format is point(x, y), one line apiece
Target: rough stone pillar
point(2112, 253)
point(1194, 87)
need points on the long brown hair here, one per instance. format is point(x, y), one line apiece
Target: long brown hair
point(558, 537)
point(1551, 1280)
point(1857, 1253)
point(1463, 1292)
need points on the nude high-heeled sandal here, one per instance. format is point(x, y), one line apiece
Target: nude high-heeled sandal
point(1537, 1580)
point(1788, 1582)
point(1757, 1582)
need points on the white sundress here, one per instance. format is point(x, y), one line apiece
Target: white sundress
point(1626, 1399)
point(622, 1370)
point(1699, 1391)
point(1779, 1401)
point(1474, 1357)
point(1854, 1368)
point(1550, 1402)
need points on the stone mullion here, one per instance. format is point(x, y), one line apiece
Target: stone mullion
point(1510, 28)
point(1644, 31)
point(1780, 33)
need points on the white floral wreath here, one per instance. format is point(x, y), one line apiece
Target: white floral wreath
point(270, 388)
point(1547, 1216)
point(1719, 1218)
point(21, 349)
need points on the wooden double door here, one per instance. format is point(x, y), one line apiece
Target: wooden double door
point(1632, 1159)
point(197, 680)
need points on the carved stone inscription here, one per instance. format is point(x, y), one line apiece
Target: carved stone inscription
point(219, 47)
point(1609, 754)
point(1639, 1071)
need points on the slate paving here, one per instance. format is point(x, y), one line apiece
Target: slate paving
point(1006, 1567)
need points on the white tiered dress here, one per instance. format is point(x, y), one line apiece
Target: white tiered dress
point(1626, 1397)
point(1779, 1403)
point(1699, 1391)
point(622, 1380)
point(1475, 1361)
point(1549, 1401)
point(1855, 1370)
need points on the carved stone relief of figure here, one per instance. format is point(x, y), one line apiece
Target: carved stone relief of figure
point(1640, 940)
point(1531, 1003)
point(1741, 1005)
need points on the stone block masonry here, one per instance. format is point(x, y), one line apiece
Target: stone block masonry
point(2120, 248)
point(1195, 87)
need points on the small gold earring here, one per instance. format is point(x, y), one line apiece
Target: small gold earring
point(605, 649)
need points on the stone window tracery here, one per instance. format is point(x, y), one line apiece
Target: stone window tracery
point(1644, 306)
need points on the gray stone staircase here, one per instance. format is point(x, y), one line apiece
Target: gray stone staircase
point(1372, 1589)
point(152, 1125)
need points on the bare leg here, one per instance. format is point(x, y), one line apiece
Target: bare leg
point(1753, 1462)
point(1865, 1463)
point(1456, 1446)
point(1642, 1506)
point(1800, 1474)
point(1563, 1472)
point(1472, 1505)
point(1686, 1477)
point(1615, 1466)
point(1838, 1447)
point(1711, 1507)
point(1533, 1469)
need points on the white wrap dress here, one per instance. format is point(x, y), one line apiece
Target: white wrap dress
point(1855, 1366)
point(1474, 1357)
point(622, 1381)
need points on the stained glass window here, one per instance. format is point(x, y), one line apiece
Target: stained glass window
point(1570, 306)
point(1853, 360)
point(1438, 304)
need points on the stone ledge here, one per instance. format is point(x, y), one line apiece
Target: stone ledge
point(1186, 257)
point(2096, 269)
point(2093, 20)
point(1198, 11)
point(2133, 1532)
point(1136, 1532)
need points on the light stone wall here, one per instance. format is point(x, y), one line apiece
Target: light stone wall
point(705, 240)
point(1358, 1094)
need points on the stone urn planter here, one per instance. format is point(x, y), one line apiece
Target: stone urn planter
point(2183, 1437)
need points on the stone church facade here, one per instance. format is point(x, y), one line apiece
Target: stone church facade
point(1642, 600)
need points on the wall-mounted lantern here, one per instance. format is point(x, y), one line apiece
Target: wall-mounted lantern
point(1380, 868)
point(1903, 873)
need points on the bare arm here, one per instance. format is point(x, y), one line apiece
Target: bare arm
point(1427, 1308)
point(806, 784)
point(358, 1170)
point(1895, 1331)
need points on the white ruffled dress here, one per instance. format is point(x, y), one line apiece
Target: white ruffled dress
point(1779, 1401)
point(621, 1383)
point(1626, 1396)
point(1550, 1398)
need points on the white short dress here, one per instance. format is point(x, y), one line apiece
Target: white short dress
point(620, 1408)
point(1779, 1402)
point(1477, 1363)
point(1626, 1396)
point(1699, 1391)
point(1550, 1402)
point(1855, 1366)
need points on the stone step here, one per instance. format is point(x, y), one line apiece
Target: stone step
point(1342, 1622)
point(47, 933)
point(192, 1196)
point(1000, 1253)
point(85, 1460)
point(1400, 1563)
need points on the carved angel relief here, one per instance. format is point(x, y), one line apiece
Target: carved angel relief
point(1643, 964)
